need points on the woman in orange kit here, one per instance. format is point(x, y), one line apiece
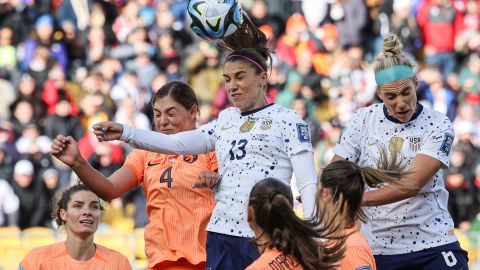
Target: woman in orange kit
point(175, 237)
point(79, 210)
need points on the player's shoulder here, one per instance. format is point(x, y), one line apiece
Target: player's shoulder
point(110, 254)
point(431, 115)
point(228, 112)
point(45, 253)
point(280, 112)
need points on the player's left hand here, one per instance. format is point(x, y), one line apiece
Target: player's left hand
point(207, 179)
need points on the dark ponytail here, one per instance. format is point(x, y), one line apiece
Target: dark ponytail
point(248, 41)
point(272, 203)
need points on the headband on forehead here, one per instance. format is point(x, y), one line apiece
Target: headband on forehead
point(392, 74)
point(248, 58)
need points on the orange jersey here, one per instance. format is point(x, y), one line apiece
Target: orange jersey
point(55, 256)
point(178, 213)
point(358, 253)
point(274, 259)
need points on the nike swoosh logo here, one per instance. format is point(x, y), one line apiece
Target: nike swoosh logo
point(153, 164)
point(225, 128)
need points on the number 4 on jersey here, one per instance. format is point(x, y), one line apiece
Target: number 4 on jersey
point(167, 177)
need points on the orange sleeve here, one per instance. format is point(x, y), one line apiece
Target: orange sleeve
point(358, 254)
point(213, 161)
point(136, 161)
point(33, 260)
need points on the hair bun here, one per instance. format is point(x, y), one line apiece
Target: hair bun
point(392, 46)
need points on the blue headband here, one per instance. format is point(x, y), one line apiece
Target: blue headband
point(392, 74)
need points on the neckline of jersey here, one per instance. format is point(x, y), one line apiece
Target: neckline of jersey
point(256, 110)
point(414, 116)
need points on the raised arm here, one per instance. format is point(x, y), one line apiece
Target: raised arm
point(187, 142)
point(423, 168)
point(124, 179)
point(304, 169)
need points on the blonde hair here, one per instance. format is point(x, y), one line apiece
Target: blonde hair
point(391, 55)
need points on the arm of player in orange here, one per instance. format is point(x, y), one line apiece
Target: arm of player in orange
point(124, 179)
point(423, 168)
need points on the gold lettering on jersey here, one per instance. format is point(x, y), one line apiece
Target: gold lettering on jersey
point(396, 144)
point(247, 126)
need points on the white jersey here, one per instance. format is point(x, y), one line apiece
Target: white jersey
point(251, 146)
point(415, 223)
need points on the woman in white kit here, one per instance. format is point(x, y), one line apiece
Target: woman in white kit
point(406, 228)
point(252, 140)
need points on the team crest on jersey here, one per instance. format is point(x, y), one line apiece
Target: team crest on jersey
point(190, 158)
point(303, 133)
point(247, 126)
point(266, 124)
point(396, 144)
point(415, 143)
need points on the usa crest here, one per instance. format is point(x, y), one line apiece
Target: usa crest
point(266, 124)
point(415, 143)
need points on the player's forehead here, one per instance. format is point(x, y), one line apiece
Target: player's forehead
point(397, 87)
point(236, 67)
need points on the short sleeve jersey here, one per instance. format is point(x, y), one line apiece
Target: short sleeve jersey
point(178, 213)
point(419, 222)
point(251, 146)
point(358, 254)
point(274, 259)
point(55, 256)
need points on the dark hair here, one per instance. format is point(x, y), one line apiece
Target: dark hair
point(248, 42)
point(179, 91)
point(272, 204)
point(346, 178)
point(62, 199)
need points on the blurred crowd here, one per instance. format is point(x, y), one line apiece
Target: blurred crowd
point(66, 64)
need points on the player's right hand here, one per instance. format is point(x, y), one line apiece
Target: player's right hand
point(107, 131)
point(207, 179)
point(65, 149)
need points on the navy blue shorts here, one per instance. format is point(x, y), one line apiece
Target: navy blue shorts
point(446, 257)
point(226, 252)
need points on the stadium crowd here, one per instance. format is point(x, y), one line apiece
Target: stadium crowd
point(65, 65)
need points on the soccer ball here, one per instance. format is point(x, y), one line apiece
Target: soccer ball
point(213, 19)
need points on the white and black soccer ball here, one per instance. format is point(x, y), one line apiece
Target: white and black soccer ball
point(213, 19)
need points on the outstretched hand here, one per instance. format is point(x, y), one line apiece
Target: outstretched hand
point(207, 179)
point(66, 150)
point(107, 131)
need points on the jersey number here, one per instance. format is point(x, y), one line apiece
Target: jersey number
point(167, 177)
point(241, 146)
point(450, 259)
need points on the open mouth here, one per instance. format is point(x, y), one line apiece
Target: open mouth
point(87, 222)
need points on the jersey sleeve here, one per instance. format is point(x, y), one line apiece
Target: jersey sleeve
point(189, 142)
point(136, 161)
point(348, 147)
point(296, 135)
point(357, 257)
point(213, 161)
point(208, 131)
point(439, 142)
point(33, 260)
